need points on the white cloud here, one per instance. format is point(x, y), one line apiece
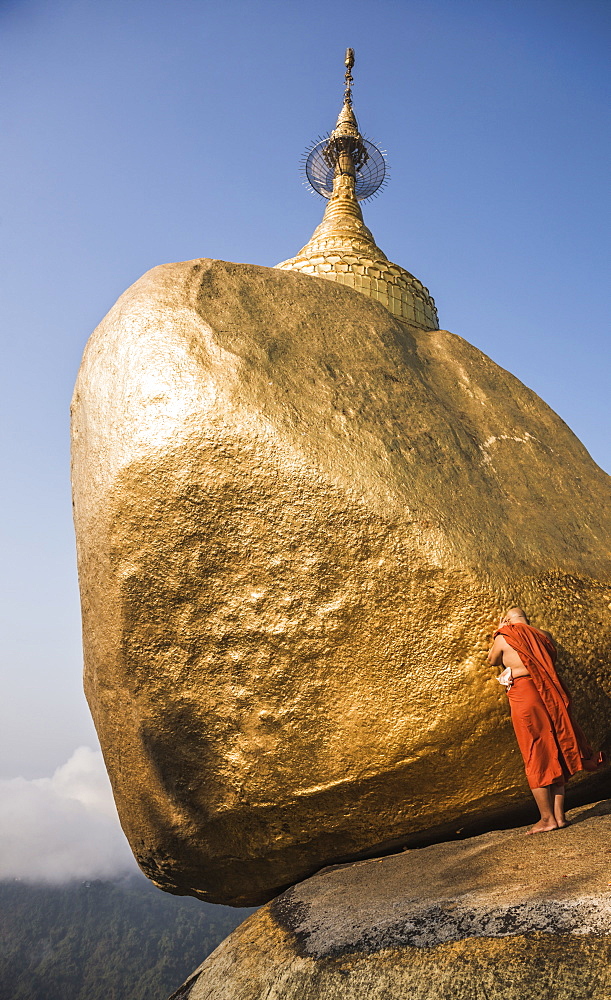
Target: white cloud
point(64, 827)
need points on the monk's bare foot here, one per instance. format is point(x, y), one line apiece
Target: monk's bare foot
point(543, 826)
point(562, 823)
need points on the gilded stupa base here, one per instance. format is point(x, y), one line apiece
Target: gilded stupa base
point(402, 294)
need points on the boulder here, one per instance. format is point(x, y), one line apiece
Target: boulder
point(298, 520)
point(499, 916)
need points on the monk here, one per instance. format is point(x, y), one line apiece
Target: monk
point(552, 744)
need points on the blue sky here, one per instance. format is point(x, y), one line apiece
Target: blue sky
point(146, 131)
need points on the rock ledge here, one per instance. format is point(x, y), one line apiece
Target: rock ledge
point(496, 916)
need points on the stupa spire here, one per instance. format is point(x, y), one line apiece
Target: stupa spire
point(346, 121)
point(345, 168)
point(343, 154)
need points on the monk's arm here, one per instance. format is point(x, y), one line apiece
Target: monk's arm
point(495, 656)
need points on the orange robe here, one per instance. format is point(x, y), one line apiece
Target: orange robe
point(552, 744)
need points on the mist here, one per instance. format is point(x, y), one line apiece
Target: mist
point(62, 828)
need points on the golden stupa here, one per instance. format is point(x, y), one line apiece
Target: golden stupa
point(342, 248)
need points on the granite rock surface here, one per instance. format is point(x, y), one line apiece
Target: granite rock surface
point(496, 917)
point(298, 520)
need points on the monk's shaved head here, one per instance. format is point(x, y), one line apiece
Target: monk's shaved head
point(514, 614)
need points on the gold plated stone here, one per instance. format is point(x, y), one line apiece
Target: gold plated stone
point(298, 520)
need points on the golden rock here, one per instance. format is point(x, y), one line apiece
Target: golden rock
point(298, 520)
point(501, 915)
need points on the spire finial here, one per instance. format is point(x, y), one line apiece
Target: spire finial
point(348, 63)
